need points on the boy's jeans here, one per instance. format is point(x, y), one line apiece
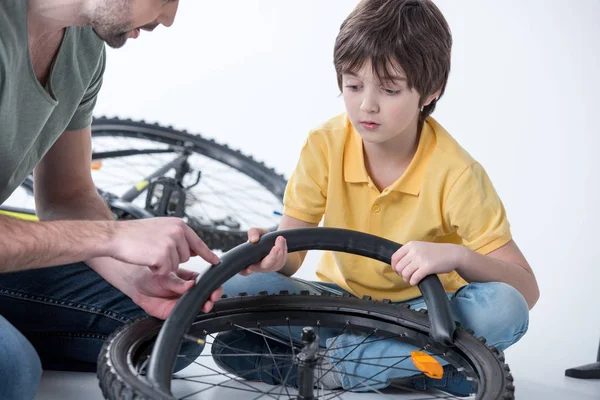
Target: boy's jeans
point(65, 312)
point(493, 310)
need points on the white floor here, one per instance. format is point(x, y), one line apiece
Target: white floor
point(75, 386)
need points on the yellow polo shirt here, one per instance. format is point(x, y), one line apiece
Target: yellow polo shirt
point(444, 196)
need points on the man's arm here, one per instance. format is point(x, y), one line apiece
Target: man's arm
point(170, 239)
point(156, 242)
point(64, 189)
point(27, 245)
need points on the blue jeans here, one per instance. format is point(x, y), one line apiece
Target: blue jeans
point(493, 310)
point(20, 367)
point(64, 313)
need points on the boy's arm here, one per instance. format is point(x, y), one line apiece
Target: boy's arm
point(416, 260)
point(475, 212)
point(506, 264)
point(294, 260)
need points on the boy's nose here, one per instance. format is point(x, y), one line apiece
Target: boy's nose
point(368, 105)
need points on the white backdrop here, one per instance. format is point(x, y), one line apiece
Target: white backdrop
point(522, 96)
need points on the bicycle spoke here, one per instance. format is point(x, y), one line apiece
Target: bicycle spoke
point(290, 335)
point(379, 339)
point(343, 358)
point(271, 353)
point(235, 378)
point(262, 334)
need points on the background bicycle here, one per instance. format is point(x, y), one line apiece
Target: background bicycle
point(144, 170)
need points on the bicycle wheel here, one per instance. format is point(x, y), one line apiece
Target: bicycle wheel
point(137, 361)
point(226, 192)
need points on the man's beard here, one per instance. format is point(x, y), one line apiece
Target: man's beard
point(112, 20)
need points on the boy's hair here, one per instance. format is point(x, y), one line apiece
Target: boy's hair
point(412, 33)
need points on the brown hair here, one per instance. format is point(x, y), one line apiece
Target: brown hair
point(410, 33)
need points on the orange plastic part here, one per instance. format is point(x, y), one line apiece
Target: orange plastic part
point(427, 364)
point(96, 165)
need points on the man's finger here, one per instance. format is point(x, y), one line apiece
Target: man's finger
point(174, 260)
point(187, 275)
point(175, 284)
point(199, 247)
point(183, 251)
point(165, 309)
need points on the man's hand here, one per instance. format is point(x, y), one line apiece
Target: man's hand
point(159, 243)
point(158, 294)
point(415, 260)
point(274, 261)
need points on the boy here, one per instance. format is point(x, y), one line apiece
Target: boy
point(386, 167)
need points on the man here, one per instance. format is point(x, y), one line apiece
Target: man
point(52, 59)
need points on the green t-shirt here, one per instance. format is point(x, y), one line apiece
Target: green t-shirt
point(33, 117)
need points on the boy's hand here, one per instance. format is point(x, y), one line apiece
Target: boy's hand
point(274, 261)
point(415, 260)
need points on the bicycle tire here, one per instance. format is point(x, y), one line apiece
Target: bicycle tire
point(119, 382)
point(439, 323)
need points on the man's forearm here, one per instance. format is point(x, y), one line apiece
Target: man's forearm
point(89, 205)
point(28, 245)
point(86, 205)
point(475, 267)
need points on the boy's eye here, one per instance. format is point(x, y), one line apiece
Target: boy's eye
point(354, 88)
point(392, 92)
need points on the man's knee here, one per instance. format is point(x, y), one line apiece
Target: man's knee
point(20, 366)
point(494, 310)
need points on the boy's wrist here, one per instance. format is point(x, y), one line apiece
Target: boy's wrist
point(461, 257)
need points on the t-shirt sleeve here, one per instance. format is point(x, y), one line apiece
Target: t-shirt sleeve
point(476, 213)
point(306, 192)
point(84, 113)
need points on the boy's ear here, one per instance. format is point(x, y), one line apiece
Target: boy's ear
point(432, 97)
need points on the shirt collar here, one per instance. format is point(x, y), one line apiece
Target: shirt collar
point(411, 180)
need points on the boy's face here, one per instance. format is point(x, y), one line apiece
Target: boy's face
point(380, 110)
point(115, 21)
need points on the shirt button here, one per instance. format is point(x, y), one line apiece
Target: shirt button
point(376, 209)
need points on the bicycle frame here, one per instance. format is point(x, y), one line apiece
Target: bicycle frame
point(123, 203)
